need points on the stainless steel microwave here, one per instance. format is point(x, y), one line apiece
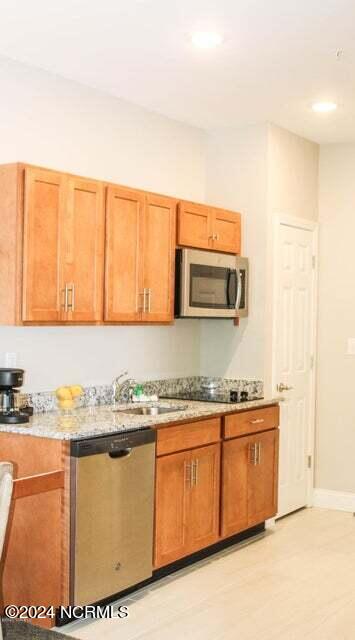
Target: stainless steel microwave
point(210, 285)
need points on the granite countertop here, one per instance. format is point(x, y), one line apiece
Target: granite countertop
point(19, 630)
point(103, 420)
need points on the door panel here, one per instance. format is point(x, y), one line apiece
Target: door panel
point(226, 231)
point(159, 258)
point(293, 361)
point(123, 277)
point(83, 250)
point(172, 484)
point(235, 486)
point(203, 520)
point(194, 225)
point(44, 206)
point(263, 477)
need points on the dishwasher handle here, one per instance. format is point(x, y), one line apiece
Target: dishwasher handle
point(120, 453)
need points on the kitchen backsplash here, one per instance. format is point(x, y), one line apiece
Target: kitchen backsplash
point(103, 394)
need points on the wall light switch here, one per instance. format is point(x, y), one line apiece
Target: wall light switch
point(351, 347)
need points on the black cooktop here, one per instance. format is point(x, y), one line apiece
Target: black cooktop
point(218, 395)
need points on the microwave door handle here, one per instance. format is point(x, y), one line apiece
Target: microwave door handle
point(231, 276)
point(229, 273)
point(239, 289)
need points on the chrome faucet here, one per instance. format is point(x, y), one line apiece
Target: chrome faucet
point(123, 390)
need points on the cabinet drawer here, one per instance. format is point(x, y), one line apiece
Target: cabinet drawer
point(188, 436)
point(244, 422)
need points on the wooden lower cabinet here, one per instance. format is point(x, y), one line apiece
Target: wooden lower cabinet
point(186, 503)
point(249, 481)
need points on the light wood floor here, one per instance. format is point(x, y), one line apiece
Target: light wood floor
point(296, 582)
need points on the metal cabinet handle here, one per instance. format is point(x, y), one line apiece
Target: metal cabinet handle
point(257, 421)
point(140, 301)
point(259, 452)
point(71, 303)
point(146, 300)
point(65, 303)
point(188, 474)
point(253, 454)
point(149, 299)
point(195, 472)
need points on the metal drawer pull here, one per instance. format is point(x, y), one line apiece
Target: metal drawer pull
point(259, 452)
point(257, 421)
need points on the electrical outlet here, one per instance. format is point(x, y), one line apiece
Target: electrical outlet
point(351, 347)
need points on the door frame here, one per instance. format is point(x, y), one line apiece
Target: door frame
point(313, 227)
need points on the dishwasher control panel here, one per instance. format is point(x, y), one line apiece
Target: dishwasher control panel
point(111, 443)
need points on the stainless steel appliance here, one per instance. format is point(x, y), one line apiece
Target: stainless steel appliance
point(112, 486)
point(210, 285)
point(10, 411)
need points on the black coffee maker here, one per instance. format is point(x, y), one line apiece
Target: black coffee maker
point(10, 412)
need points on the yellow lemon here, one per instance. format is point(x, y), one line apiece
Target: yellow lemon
point(64, 393)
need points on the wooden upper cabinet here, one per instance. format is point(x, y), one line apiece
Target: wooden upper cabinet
point(194, 225)
point(44, 212)
point(83, 250)
point(226, 231)
point(204, 227)
point(140, 256)
point(63, 248)
point(159, 258)
point(123, 272)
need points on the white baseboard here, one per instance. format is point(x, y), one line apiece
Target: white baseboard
point(338, 500)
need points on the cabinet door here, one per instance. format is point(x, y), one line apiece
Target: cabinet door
point(83, 250)
point(226, 231)
point(263, 477)
point(203, 497)
point(173, 479)
point(159, 258)
point(194, 225)
point(44, 207)
point(123, 273)
point(235, 486)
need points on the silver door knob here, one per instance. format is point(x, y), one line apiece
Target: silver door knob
point(283, 387)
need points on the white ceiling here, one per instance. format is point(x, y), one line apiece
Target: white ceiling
point(276, 59)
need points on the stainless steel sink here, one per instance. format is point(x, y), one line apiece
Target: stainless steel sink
point(149, 411)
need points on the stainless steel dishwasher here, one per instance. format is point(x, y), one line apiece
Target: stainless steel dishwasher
point(112, 492)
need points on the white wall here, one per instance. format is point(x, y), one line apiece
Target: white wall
point(49, 121)
point(335, 468)
point(261, 171)
point(237, 179)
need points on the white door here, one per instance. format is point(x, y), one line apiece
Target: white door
point(293, 361)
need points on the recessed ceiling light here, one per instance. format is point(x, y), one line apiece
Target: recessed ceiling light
point(206, 39)
point(324, 107)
